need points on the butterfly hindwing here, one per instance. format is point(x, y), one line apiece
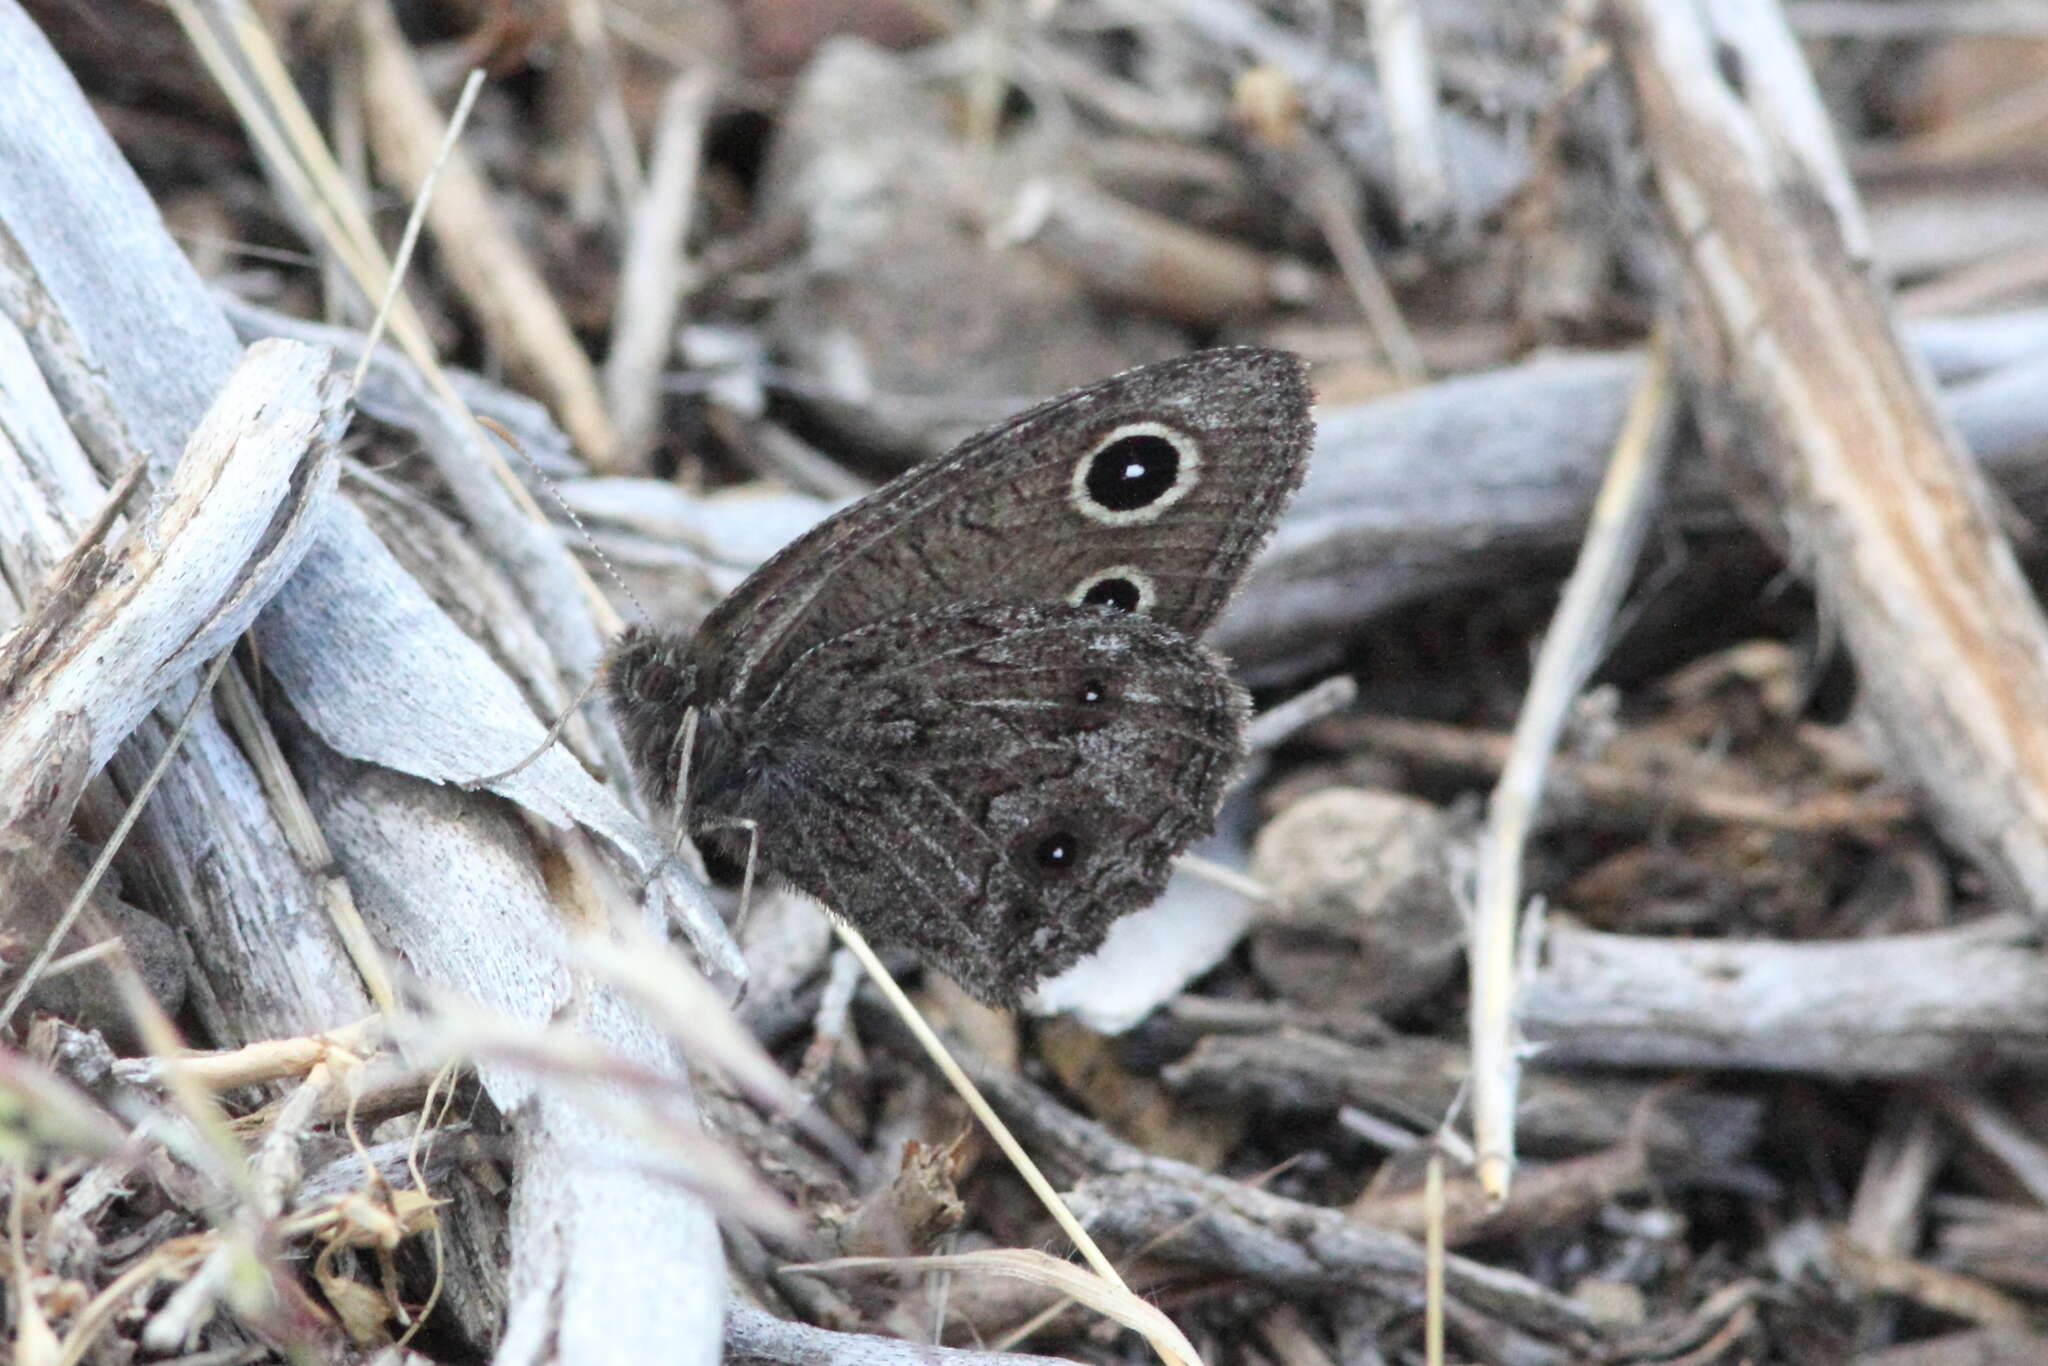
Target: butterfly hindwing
point(991, 785)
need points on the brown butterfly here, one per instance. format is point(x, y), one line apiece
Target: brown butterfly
point(970, 712)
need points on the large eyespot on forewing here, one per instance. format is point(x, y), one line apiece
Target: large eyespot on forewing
point(1134, 473)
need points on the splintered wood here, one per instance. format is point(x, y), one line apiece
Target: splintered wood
point(1802, 381)
point(334, 1027)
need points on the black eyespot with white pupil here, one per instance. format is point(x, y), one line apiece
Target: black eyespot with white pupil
point(1092, 691)
point(1133, 472)
point(1119, 593)
point(1057, 852)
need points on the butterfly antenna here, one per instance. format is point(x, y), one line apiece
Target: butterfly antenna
point(575, 519)
point(561, 723)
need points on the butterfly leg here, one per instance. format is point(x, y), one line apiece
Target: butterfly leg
point(753, 829)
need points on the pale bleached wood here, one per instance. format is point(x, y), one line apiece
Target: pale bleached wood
point(1802, 381)
point(116, 324)
point(602, 1240)
point(68, 203)
point(125, 622)
point(134, 346)
point(756, 1338)
point(1934, 1004)
point(1489, 479)
point(49, 493)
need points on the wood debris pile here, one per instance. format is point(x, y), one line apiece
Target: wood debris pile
point(1649, 817)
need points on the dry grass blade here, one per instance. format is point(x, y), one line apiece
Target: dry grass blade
point(634, 1097)
point(1570, 649)
point(1171, 1347)
point(39, 1111)
point(677, 997)
point(1112, 1300)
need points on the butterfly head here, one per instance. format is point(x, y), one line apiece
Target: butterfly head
point(651, 686)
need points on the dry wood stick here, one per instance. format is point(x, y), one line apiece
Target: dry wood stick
point(1941, 1003)
point(1633, 794)
point(754, 1337)
point(135, 619)
point(1792, 346)
point(653, 274)
point(1408, 87)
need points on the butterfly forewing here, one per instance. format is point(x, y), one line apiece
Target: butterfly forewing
point(992, 785)
point(1149, 492)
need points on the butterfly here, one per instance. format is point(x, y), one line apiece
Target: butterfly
point(971, 712)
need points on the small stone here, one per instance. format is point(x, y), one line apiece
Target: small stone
point(1362, 910)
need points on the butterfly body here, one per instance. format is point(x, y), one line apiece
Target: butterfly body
point(970, 712)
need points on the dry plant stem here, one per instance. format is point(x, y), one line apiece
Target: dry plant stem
point(1558, 1195)
point(2013, 273)
point(1976, 1347)
point(1112, 1300)
point(1433, 1261)
point(1992, 1129)
point(1945, 1291)
point(614, 127)
point(1861, 19)
point(1872, 486)
point(276, 1172)
point(487, 264)
point(1295, 1072)
point(1272, 727)
point(243, 716)
point(958, 1079)
point(409, 241)
point(1898, 1171)
point(260, 88)
point(270, 1060)
point(654, 272)
point(1571, 647)
point(1330, 202)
